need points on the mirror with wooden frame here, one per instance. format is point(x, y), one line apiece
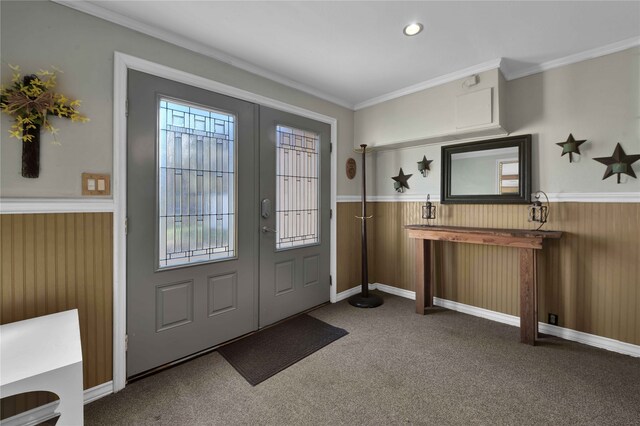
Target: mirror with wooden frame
point(496, 171)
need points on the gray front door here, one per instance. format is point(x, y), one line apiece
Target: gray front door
point(294, 221)
point(192, 239)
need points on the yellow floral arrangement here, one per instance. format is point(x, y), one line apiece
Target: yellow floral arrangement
point(31, 100)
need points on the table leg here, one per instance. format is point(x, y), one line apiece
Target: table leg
point(424, 281)
point(528, 297)
point(71, 407)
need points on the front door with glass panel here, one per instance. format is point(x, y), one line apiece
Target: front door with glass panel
point(295, 202)
point(192, 221)
point(218, 243)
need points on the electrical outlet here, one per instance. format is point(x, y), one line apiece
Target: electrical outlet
point(553, 319)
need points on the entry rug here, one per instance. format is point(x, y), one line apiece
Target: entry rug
point(267, 352)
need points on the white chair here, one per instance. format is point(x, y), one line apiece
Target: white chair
point(44, 354)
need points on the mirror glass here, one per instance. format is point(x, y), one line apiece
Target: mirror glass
point(496, 171)
point(486, 172)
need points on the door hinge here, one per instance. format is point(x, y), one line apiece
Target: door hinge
point(126, 342)
point(330, 147)
point(330, 213)
point(126, 225)
point(330, 280)
point(126, 108)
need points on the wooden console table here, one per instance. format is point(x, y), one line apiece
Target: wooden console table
point(527, 241)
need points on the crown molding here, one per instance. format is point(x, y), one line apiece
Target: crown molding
point(446, 78)
point(572, 59)
point(503, 66)
point(170, 37)
point(194, 46)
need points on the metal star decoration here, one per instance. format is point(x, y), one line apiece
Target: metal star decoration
point(401, 181)
point(570, 146)
point(618, 163)
point(423, 165)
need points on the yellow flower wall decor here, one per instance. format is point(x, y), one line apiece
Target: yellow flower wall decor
point(30, 100)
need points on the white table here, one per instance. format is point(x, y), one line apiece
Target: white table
point(44, 354)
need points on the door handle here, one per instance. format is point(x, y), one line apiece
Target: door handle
point(265, 208)
point(266, 229)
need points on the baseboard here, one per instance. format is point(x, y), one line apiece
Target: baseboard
point(353, 290)
point(552, 330)
point(32, 417)
point(477, 312)
point(407, 294)
point(590, 339)
point(48, 411)
point(98, 392)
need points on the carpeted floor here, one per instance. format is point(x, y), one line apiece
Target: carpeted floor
point(396, 367)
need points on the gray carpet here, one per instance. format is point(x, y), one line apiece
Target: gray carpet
point(396, 367)
point(269, 351)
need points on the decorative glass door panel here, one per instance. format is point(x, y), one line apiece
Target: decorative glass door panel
point(191, 240)
point(297, 187)
point(196, 184)
point(294, 241)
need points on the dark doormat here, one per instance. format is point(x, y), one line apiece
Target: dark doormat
point(267, 352)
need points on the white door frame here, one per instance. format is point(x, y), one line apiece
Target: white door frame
point(123, 63)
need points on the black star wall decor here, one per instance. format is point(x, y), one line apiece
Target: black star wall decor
point(571, 146)
point(618, 163)
point(423, 165)
point(401, 181)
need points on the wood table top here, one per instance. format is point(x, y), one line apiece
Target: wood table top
point(519, 238)
point(488, 231)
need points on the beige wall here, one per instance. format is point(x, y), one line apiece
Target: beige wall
point(419, 115)
point(83, 46)
point(597, 100)
point(590, 278)
point(56, 262)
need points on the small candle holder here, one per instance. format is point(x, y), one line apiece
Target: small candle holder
point(539, 212)
point(429, 209)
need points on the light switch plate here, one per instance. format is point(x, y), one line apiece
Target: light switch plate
point(96, 184)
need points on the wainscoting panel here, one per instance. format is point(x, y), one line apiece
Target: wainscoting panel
point(349, 245)
point(55, 262)
point(590, 278)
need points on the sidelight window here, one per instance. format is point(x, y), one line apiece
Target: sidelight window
point(297, 187)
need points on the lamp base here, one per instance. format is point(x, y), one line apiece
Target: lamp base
point(360, 301)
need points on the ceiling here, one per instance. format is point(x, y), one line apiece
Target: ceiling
point(354, 53)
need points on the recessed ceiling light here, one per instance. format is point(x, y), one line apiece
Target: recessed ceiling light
point(413, 29)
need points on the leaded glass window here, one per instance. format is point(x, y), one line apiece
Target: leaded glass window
point(196, 184)
point(297, 187)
